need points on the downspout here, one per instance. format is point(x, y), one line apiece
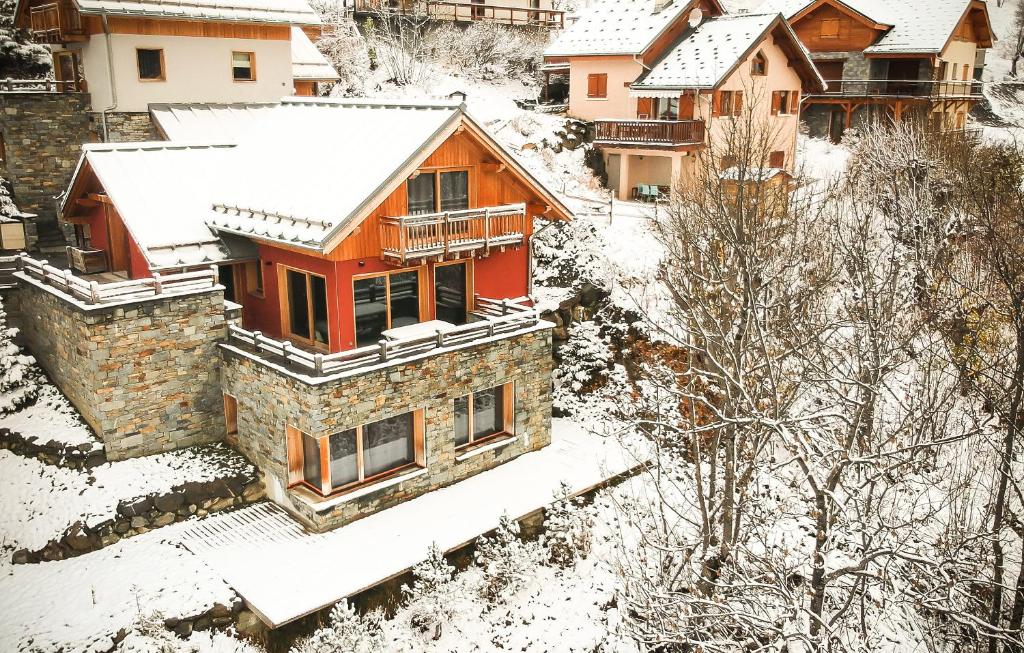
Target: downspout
point(529, 272)
point(113, 81)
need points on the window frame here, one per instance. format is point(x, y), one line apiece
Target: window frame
point(286, 326)
point(254, 281)
point(437, 172)
point(508, 417)
point(296, 457)
point(601, 90)
point(252, 66)
point(163, 66)
point(422, 298)
point(759, 65)
point(470, 284)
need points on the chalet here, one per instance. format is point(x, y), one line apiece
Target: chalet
point(891, 59)
point(522, 13)
point(379, 345)
point(309, 66)
point(662, 81)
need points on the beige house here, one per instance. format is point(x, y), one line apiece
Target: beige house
point(524, 13)
point(662, 81)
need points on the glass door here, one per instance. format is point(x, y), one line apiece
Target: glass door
point(450, 293)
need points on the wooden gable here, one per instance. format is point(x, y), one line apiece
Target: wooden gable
point(710, 9)
point(974, 26)
point(830, 26)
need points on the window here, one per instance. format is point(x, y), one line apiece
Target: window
point(777, 159)
point(365, 453)
point(480, 415)
point(830, 28)
point(597, 85)
point(727, 103)
point(967, 71)
point(759, 65)
point(151, 64)
point(785, 103)
point(433, 192)
point(254, 277)
point(385, 301)
point(226, 278)
point(666, 108)
point(243, 66)
point(306, 307)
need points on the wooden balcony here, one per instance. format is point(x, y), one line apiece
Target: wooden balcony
point(902, 89)
point(55, 22)
point(649, 133)
point(465, 12)
point(41, 86)
point(452, 233)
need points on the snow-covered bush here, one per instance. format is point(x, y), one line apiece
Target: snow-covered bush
point(431, 600)
point(344, 47)
point(569, 255)
point(19, 380)
point(151, 636)
point(488, 51)
point(586, 360)
point(346, 632)
point(505, 560)
point(567, 528)
point(20, 58)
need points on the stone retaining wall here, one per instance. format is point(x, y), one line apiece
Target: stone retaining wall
point(59, 454)
point(430, 384)
point(143, 374)
point(130, 127)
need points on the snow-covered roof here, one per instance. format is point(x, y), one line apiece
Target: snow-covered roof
point(300, 172)
point(708, 54)
point(625, 27)
point(914, 28)
point(308, 63)
point(288, 12)
point(751, 174)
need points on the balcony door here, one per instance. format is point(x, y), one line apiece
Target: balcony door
point(385, 301)
point(305, 297)
point(451, 292)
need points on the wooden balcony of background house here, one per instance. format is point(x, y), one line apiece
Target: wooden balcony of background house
point(491, 318)
point(55, 22)
point(41, 86)
point(467, 232)
point(654, 133)
point(465, 12)
point(908, 89)
point(96, 292)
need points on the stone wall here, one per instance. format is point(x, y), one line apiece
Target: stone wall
point(129, 127)
point(43, 133)
point(269, 401)
point(143, 374)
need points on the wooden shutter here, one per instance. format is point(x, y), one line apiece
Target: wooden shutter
point(830, 28)
point(294, 439)
point(686, 107)
point(777, 159)
point(644, 108)
point(716, 103)
point(794, 102)
point(737, 103)
point(967, 70)
point(602, 83)
point(592, 85)
point(776, 102)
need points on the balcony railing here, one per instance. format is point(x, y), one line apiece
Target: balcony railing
point(650, 132)
point(494, 318)
point(452, 232)
point(54, 23)
point(466, 12)
point(894, 88)
point(40, 85)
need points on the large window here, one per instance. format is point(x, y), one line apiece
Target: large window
point(785, 102)
point(151, 64)
point(483, 414)
point(385, 301)
point(433, 192)
point(243, 66)
point(306, 304)
point(727, 103)
point(366, 453)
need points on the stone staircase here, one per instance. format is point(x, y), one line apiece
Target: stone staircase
point(51, 242)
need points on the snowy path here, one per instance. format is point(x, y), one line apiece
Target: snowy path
point(345, 561)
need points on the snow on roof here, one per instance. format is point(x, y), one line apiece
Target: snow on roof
point(615, 27)
point(308, 63)
point(751, 174)
point(289, 12)
point(914, 29)
point(705, 56)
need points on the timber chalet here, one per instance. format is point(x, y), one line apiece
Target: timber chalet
point(379, 343)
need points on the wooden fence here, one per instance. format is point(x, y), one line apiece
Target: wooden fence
point(495, 318)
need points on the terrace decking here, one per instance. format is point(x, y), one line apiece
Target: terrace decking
point(650, 133)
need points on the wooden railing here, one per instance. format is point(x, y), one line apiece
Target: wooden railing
point(452, 232)
point(896, 88)
point(650, 132)
point(54, 23)
point(8, 266)
point(93, 292)
point(46, 85)
point(466, 11)
point(495, 318)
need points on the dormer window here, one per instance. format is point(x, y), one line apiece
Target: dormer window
point(243, 66)
point(759, 65)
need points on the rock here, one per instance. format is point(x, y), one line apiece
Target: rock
point(164, 519)
point(234, 484)
point(111, 538)
point(139, 522)
point(135, 507)
point(203, 623)
point(169, 502)
point(80, 539)
point(219, 610)
point(249, 624)
point(52, 551)
point(221, 504)
point(253, 492)
point(171, 622)
point(220, 621)
point(21, 557)
point(183, 630)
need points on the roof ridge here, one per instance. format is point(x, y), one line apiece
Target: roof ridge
point(156, 146)
point(380, 103)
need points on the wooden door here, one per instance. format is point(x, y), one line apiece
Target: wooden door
point(836, 126)
point(118, 257)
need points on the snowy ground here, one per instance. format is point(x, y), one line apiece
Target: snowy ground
point(51, 418)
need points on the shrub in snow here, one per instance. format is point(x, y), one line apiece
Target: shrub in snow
point(20, 58)
point(346, 632)
point(586, 360)
point(346, 49)
point(487, 50)
point(19, 380)
point(431, 597)
point(568, 524)
point(505, 560)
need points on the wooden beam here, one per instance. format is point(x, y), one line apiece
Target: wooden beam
point(87, 203)
point(99, 198)
point(493, 167)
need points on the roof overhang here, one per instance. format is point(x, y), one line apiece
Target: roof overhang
point(841, 7)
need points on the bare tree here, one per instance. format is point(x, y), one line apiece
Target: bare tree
point(400, 43)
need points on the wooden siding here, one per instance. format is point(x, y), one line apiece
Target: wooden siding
point(854, 35)
point(212, 29)
point(677, 29)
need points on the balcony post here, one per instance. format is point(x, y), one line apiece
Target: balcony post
point(158, 283)
point(447, 232)
point(487, 228)
point(94, 292)
point(383, 346)
point(256, 335)
point(318, 364)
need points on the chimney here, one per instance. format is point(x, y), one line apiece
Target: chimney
point(659, 5)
